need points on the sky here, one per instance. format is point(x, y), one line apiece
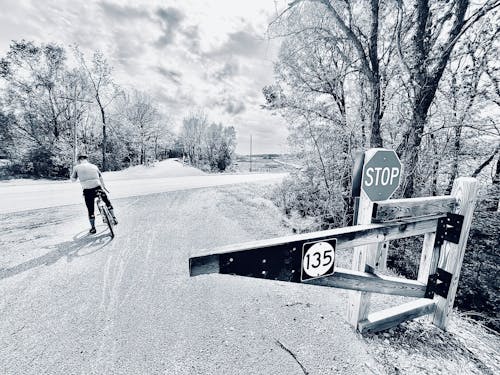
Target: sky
point(188, 55)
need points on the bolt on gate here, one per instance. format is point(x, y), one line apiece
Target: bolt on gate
point(309, 258)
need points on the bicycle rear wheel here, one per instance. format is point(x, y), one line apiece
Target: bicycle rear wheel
point(109, 221)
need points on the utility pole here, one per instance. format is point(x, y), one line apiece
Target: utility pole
point(75, 133)
point(75, 122)
point(75, 142)
point(250, 152)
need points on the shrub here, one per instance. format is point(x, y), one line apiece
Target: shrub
point(305, 192)
point(41, 163)
point(478, 289)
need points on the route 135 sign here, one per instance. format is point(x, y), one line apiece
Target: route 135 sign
point(318, 259)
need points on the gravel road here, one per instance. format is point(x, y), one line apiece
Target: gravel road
point(78, 304)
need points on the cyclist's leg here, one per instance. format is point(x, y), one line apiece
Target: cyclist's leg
point(89, 195)
point(105, 199)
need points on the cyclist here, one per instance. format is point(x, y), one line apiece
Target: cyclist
point(92, 182)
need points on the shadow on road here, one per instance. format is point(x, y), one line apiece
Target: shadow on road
point(82, 244)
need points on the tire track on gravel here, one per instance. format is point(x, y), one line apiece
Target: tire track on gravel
point(114, 292)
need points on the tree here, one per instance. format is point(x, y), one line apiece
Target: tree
point(439, 98)
point(207, 146)
point(143, 118)
point(427, 33)
point(6, 135)
point(495, 189)
point(76, 94)
point(192, 133)
point(461, 117)
point(220, 144)
point(162, 138)
point(104, 91)
point(313, 91)
point(36, 105)
point(346, 25)
point(33, 76)
point(469, 92)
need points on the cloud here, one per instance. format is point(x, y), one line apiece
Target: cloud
point(171, 75)
point(228, 103)
point(126, 51)
point(117, 11)
point(230, 69)
point(172, 100)
point(170, 19)
point(235, 107)
point(243, 43)
point(192, 35)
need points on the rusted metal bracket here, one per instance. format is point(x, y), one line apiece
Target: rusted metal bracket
point(449, 229)
point(438, 283)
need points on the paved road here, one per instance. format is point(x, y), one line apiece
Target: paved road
point(78, 304)
point(31, 196)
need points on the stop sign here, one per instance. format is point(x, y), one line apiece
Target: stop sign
point(381, 175)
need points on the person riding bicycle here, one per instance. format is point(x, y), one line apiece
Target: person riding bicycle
point(92, 183)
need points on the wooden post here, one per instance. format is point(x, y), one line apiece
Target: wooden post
point(381, 260)
point(364, 258)
point(465, 190)
point(428, 258)
point(393, 316)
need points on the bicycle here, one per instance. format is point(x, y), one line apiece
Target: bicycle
point(105, 214)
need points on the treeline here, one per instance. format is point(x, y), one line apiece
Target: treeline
point(415, 76)
point(56, 103)
point(207, 146)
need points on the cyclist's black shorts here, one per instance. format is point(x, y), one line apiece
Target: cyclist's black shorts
point(90, 195)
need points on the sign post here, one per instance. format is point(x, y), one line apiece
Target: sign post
point(380, 178)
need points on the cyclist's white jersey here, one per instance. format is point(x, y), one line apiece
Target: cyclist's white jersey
point(88, 174)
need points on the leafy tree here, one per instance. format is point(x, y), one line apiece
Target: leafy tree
point(427, 34)
point(36, 106)
point(104, 91)
point(193, 130)
point(7, 148)
point(220, 144)
point(207, 146)
point(354, 40)
point(142, 117)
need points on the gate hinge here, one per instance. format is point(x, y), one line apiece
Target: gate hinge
point(438, 283)
point(449, 228)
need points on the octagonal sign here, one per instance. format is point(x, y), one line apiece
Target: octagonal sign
point(381, 175)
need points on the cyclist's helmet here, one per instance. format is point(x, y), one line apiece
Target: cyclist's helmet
point(82, 157)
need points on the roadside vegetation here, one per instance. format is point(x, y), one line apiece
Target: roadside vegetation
point(207, 146)
point(55, 102)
